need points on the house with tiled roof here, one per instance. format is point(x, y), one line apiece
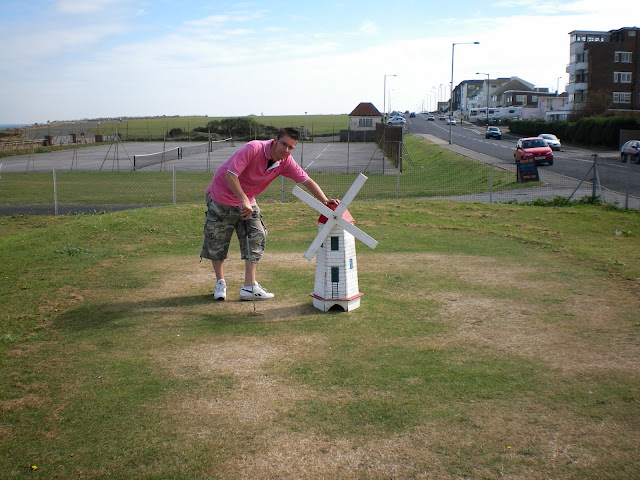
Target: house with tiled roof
point(364, 117)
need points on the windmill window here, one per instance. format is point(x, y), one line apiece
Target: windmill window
point(351, 263)
point(335, 243)
point(335, 274)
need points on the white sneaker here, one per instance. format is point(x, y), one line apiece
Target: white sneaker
point(221, 290)
point(255, 293)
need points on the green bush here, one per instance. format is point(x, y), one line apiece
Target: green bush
point(602, 131)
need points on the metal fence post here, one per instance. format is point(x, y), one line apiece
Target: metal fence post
point(55, 193)
point(594, 189)
point(626, 197)
point(175, 187)
point(491, 183)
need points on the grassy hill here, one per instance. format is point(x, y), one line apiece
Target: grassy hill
point(492, 341)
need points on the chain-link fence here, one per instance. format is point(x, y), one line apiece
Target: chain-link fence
point(106, 178)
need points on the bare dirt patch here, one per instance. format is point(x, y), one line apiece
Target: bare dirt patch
point(242, 398)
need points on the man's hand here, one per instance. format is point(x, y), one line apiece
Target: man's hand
point(246, 211)
point(332, 203)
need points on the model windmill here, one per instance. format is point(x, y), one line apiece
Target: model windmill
point(336, 280)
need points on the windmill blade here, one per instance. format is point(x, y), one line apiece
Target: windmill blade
point(356, 232)
point(312, 202)
point(320, 238)
point(350, 195)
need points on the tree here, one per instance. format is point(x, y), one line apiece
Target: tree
point(597, 103)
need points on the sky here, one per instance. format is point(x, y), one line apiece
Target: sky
point(85, 59)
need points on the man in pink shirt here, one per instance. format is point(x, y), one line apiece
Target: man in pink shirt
point(231, 206)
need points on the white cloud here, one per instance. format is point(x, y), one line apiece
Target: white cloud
point(236, 61)
point(80, 7)
point(369, 28)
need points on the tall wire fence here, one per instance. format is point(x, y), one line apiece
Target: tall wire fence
point(124, 176)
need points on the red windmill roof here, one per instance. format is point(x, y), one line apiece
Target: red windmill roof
point(346, 215)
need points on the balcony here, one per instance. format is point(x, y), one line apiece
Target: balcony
point(572, 68)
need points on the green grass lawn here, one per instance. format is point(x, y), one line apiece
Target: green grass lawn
point(492, 341)
point(156, 127)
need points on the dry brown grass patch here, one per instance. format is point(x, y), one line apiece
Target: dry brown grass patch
point(240, 401)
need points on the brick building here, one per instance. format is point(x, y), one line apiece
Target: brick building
point(605, 62)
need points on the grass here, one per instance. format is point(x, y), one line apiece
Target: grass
point(156, 127)
point(518, 359)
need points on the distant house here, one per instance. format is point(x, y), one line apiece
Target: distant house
point(362, 124)
point(364, 117)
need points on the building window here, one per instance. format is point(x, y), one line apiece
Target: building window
point(522, 99)
point(621, 97)
point(621, 77)
point(365, 122)
point(622, 57)
point(335, 243)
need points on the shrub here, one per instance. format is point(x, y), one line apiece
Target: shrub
point(603, 130)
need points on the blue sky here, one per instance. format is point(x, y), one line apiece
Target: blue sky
point(75, 59)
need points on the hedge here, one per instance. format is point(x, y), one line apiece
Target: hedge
point(604, 131)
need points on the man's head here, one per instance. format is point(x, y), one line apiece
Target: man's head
point(284, 143)
point(292, 133)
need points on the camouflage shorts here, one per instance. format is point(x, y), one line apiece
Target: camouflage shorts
point(219, 226)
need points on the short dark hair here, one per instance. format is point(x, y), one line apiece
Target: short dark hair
point(292, 133)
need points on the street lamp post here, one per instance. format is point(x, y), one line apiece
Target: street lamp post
point(453, 48)
point(304, 131)
point(480, 73)
point(384, 98)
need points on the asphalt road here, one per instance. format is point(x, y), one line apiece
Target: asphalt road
point(571, 161)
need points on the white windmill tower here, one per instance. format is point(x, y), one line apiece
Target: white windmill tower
point(336, 280)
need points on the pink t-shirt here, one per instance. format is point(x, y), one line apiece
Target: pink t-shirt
point(249, 164)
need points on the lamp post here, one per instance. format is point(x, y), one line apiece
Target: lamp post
point(480, 73)
point(304, 131)
point(453, 48)
point(384, 98)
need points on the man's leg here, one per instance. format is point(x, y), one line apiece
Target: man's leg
point(253, 248)
point(249, 273)
point(218, 269)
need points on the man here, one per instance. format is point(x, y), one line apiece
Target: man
point(231, 206)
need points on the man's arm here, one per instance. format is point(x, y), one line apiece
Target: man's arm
point(236, 188)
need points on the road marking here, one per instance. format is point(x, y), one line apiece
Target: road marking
point(319, 155)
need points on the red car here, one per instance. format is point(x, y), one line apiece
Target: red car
point(533, 148)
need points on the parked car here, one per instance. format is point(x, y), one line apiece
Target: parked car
point(451, 121)
point(533, 148)
point(431, 118)
point(493, 132)
point(552, 140)
point(396, 121)
point(630, 150)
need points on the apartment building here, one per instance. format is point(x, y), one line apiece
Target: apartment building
point(605, 62)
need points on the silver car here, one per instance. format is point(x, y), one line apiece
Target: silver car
point(630, 149)
point(396, 121)
point(552, 140)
